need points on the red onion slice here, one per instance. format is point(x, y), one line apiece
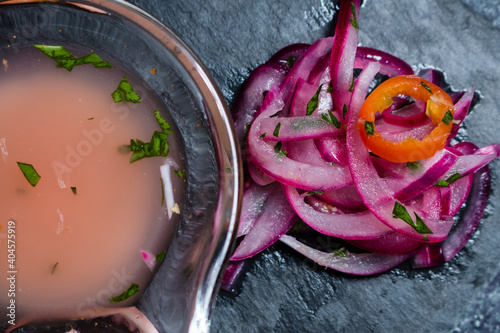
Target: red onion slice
point(351, 263)
point(276, 219)
point(389, 64)
point(362, 225)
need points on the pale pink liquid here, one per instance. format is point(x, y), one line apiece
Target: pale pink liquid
point(95, 236)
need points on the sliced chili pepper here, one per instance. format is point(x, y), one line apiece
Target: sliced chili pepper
point(440, 110)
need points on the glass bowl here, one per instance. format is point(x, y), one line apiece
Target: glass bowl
point(182, 292)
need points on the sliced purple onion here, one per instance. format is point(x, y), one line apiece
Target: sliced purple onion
point(276, 219)
point(346, 262)
point(389, 64)
point(362, 225)
point(252, 205)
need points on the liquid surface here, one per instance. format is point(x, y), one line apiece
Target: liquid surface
point(75, 251)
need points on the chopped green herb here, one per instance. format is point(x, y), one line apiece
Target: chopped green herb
point(158, 146)
point(425, 238)
point(344, 111)
point(426, 87)
point(67, 60)
point(354, 20)
point(291, 61)
point(421, 228)
point(73, 189)
point(277, 149)
point(164, 125)
point(448, 117)
point(180, 173)
point(160, 256)
point(450, 180)
point(277, 130)
point(442, 183)
point(262, 136)
point(399, 211)
point(330, 87)
point(369, 128)
point(413, 166)
point(314, 192)
point(125, 93)
point(351, 88)
point(342, 252)
point(373, 154)
point(54, 267)
point(313, 103)
point(29, 173)
point(131, 291)
point(92, 118)
point(330, 117)
point(275, 115)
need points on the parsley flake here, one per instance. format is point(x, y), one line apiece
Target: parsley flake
point(330, 117)
point(67, 60)
point(426, 87)
point(312, 105)
point(448, 117)
point(131, 291)
point(369, 128)
point(262, 136)
point(450, 180)
point(29, 173)
point(73, 189)
point(277, 149)
point(413, 166)
point(125, 93)
point(314, 192)
point(399, 211)
point(158, 145)
point(180, 173)
point(275, 114)
point(160, 256)
point(277, 130)
point(291, 61)
point(344, 111)
point(354, 20)
point(54, 267)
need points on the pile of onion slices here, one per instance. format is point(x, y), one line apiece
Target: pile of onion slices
point(349, 142)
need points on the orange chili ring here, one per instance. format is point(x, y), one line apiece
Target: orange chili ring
point(440, 110)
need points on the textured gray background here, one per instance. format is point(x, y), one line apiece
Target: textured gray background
point(282, 292)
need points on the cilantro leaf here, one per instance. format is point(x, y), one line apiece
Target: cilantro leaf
point(277, 130)
point(426, 87)
point(447, 118)
point(131, 291)
point(29, 173)
point(413, 166)
point(125, 93)
point(330, 117)
point(277, 149)
point(160, 256)
point(180, 173)
point(73, 189)
point(313, 103)
point(67, 60)
point(54, 267)
point(157, 146)
point(344, 111)
point(450, 180)
point(354, 20)
point(399, 211)
point(369, 128)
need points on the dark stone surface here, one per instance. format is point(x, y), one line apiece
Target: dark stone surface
point(282, 292)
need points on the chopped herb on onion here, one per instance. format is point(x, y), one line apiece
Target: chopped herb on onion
point(312, 105)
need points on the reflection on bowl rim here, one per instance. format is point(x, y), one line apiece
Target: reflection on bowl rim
point(225, 144)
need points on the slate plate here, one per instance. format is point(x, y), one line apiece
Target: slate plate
point(282, 292)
